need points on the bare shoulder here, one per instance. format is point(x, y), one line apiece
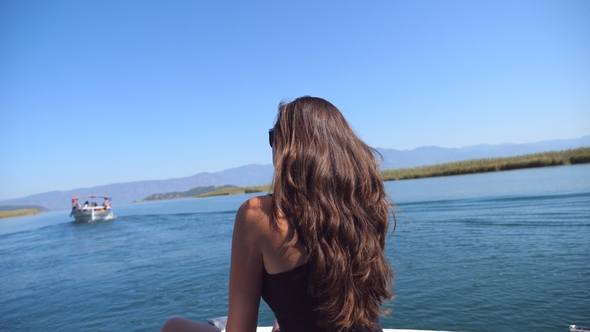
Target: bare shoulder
point(255, 212)
point(256, 205)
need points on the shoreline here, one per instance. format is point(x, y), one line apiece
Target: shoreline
point(19, 213)
point(486, 165)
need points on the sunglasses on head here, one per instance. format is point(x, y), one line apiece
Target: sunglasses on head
point(271, 136)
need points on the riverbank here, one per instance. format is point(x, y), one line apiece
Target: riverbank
point(19, 213)
point(544, 159)
point(236, 191)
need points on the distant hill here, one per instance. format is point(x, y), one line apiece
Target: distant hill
point(123, 193)
point(256, 175)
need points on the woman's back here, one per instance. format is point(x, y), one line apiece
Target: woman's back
point(287, 295)
point(272, 235)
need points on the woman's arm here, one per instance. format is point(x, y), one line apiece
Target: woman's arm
point(276, 327)
point(245, 276)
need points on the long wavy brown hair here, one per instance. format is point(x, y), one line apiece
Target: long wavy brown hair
point(327, 186)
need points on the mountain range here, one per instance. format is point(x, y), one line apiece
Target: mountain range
point(255, 175)
point(431, 155)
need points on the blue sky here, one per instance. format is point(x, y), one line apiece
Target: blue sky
point(100, 92)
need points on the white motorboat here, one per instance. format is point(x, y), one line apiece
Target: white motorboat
point(90, 211)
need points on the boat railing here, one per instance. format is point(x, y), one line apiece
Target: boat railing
point(100, 208)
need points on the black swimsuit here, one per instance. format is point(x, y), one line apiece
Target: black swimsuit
point(286, 295)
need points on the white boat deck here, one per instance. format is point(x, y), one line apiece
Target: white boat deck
point(269, 328)
point(220, 322)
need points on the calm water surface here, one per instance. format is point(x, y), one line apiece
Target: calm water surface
point(505, 251)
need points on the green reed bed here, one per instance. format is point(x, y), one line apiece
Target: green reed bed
point(18, 213)
point(237, 191)
point(551, 158)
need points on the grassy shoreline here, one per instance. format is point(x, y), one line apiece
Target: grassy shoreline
point(236, 191)
point(18, 213)
point(544, 159)
point(473, 166)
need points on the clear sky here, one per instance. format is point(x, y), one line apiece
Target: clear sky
point(100, 92)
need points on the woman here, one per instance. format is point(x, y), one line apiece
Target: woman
point(314, 249)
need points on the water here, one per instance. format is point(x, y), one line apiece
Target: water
point(505, 251)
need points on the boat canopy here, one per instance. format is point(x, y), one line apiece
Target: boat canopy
point(76, 198)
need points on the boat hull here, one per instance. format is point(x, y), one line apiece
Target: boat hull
point(90, 216)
